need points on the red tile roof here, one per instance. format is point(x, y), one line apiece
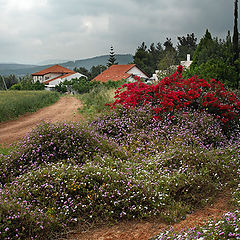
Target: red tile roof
point(115, 73)
point(53, 69)
point(63, 76)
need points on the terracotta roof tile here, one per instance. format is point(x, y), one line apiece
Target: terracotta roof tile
point(115, 73)
point(53, 69)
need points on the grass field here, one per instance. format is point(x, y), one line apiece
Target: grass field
point(16, 103)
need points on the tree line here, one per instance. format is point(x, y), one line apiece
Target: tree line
point(211, 58)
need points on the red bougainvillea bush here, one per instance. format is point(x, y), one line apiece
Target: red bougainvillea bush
point(174, 93)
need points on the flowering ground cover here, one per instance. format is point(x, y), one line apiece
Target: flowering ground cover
point(125, 164)
point(226, 228)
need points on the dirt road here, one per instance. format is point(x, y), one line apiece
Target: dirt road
point(63, 110)
point(144, 230)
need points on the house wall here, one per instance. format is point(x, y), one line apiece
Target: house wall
point(51, 75)
point(59, 80)
point(136, 71)
point(46, 77)
point(38, 78)
point(75, 75)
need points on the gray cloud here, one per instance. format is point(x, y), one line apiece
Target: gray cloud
point(32, 31)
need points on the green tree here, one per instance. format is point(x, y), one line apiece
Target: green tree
point(186, 45)
point(83, 71)
point(27, 83)
point(219, 70)
point(144, 59)
point(170, 52)
point(96, 70)
point(169, 45)
point(235, 40)
point(156, 53)
point(211, 54)
point(204, 50)
point(8, 81)
point(167, 64)
point(112, 58)
point(3, 85)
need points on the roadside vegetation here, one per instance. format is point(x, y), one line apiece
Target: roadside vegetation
point(95, 99)
point(16, 103)
point(161, 150)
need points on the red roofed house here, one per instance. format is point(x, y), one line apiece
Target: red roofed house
point(119, 72)
point(54, 75)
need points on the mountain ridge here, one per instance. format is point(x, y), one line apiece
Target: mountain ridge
point(24, 69)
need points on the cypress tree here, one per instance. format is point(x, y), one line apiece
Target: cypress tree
point(112, 59)
point(235, 40)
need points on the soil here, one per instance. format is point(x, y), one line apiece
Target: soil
point(144, 230)
point(65, 109)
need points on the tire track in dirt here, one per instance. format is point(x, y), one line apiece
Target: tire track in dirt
point(144, 230)
point(65, 109)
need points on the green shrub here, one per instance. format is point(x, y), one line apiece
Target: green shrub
point(94, 101)
point(49, 199)
point(28, 84)
point(53, 142)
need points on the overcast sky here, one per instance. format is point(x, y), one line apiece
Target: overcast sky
point(35, 30)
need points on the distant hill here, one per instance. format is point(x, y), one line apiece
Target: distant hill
point(51, 61)
point(23, 69)
point(14, 66)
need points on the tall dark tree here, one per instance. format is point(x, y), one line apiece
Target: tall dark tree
point(204, 51)
point(186, 45)
point(156, 53)
point(235, 39)
point(143, 47)
point(168, 45)
point(144, 59)
point(112, 58)
point(169, 52)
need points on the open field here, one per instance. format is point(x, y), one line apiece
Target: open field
point(16, 103)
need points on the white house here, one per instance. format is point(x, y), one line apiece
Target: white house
point(54, 75)
point(119, 72)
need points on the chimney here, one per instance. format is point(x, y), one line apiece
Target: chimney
point(188, 58)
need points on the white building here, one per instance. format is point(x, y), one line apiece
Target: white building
point(54, 75)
